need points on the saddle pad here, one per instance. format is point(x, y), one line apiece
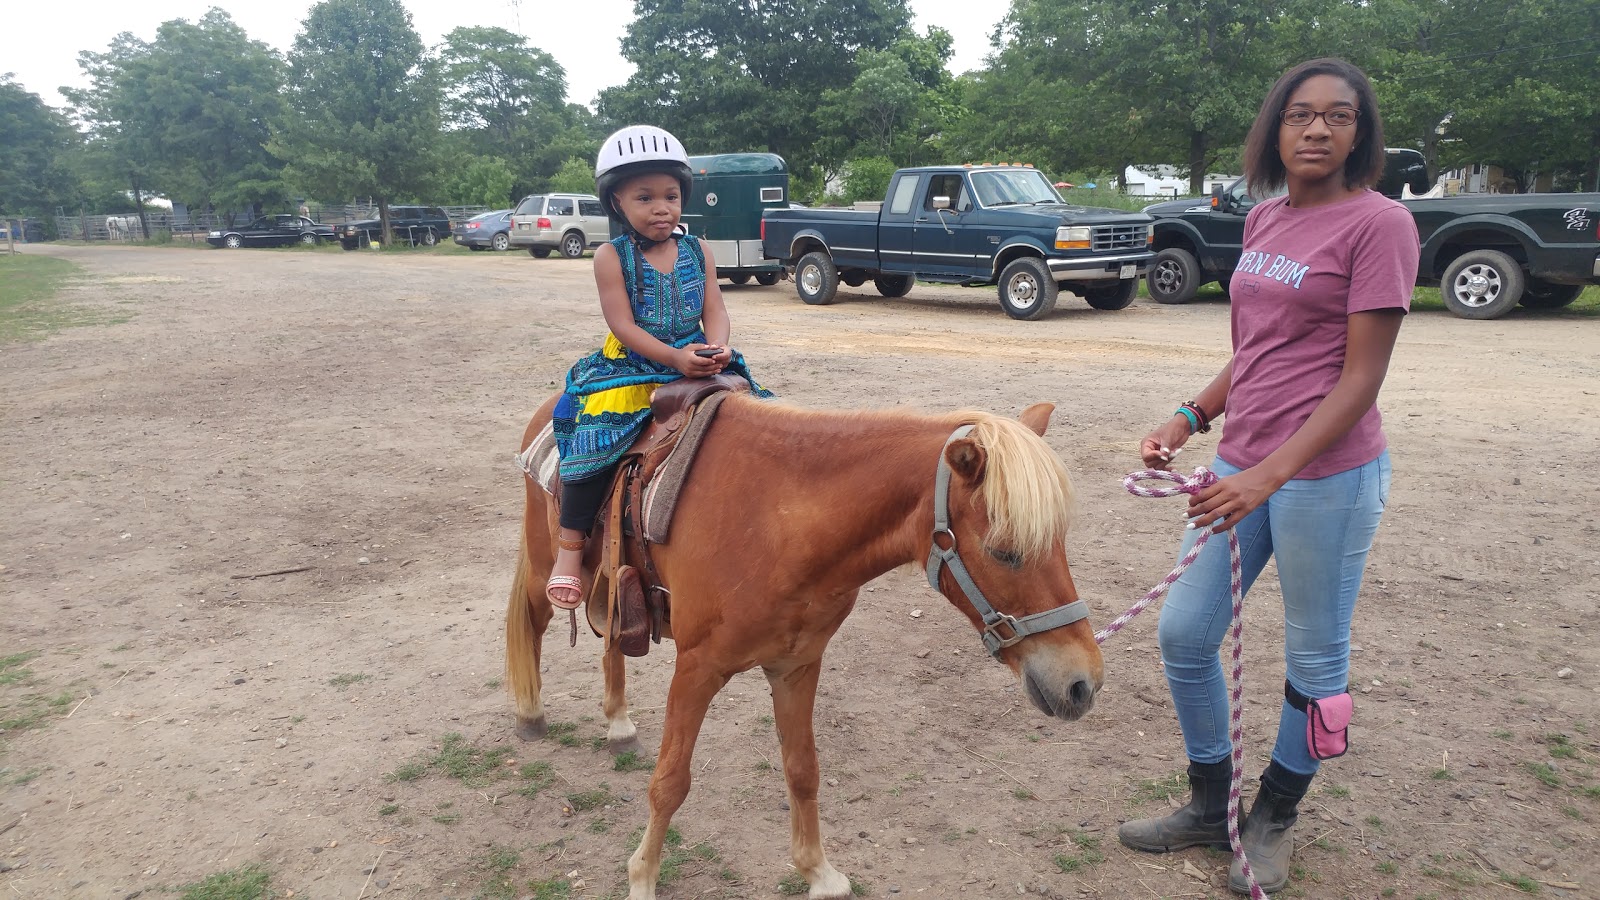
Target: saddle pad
point(661, 494)
point(541, 462)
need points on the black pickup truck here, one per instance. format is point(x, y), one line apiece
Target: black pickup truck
point(1486, 253)
point(424, 225)
point(1002, 225)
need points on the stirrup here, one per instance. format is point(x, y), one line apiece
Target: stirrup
point(564, 581)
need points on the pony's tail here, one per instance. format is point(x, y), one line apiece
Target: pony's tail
point(523, 642)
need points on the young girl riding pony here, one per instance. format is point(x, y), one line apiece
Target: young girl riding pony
point(659, 294)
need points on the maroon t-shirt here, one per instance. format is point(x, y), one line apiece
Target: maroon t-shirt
point(1300, 276)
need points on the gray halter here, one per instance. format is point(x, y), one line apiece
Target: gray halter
point(994, 622)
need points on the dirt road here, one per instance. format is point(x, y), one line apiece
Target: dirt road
point(172, 711)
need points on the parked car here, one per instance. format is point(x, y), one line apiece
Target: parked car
point(1002, 225)
point(1485, 252)
point(570, 223)
point(485, 231)
point(272, 231)
point(414, 224)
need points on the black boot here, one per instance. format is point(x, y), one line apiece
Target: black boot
point(1268, 835)
point(1203, 822)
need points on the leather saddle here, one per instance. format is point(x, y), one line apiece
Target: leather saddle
point(635, 609)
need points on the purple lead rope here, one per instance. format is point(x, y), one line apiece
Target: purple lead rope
point(1202, 479)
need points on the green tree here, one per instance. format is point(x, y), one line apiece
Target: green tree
point(898, 106)
point(186, 113)
point(364, 105)
point(34, 176)
point(479, 181)
point(731, 75)
point(576, 176)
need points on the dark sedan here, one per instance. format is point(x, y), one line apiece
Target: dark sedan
point(272, 231)
point(490, 230)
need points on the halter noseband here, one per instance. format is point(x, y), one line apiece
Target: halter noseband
point(994, 622)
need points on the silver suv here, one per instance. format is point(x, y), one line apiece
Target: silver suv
point(570, 223)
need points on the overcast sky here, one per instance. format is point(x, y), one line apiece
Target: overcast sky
point(40, 41)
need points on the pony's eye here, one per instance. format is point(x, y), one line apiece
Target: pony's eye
point(1009, 557)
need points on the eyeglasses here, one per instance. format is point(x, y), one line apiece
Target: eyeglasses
point(1338, 117)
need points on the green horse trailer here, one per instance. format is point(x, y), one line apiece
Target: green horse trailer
point(724, 210)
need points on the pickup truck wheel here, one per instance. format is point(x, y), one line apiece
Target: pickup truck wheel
point(1174, 276)
point(539, 252)
point(853, 277)
point(501, 241)
point(572, 245)
point(816, 279)
point(767, 278)
point(1482, 284)
point(739, 279)
point(1026, 289)
point(1118, 297)
point(894, 285)
point(1541, 294)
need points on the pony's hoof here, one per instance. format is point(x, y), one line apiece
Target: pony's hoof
point(532, 729)
point(620, 746)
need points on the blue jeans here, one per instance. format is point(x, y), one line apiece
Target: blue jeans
point(1320, 530)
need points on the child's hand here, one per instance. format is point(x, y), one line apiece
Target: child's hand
point(694, 365)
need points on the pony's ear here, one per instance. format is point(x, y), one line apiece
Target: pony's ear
point(1037, 417)
point(967, 459)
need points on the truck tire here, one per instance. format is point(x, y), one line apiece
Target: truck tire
point(816, 279)
point(539, 252)
point(741, 278)
point(428, 238)
point(573, 245)
point(1541, 294)
point(1117, 297)
point(1027, 291)
point(1482, 284)
point(767, 278)
point(853, 277)
point(894, 285)
point(1174, 276)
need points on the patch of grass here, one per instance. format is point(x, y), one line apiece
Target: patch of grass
point(345, 680)
point(1545, 772)
point(1148, 789)
point(447, 818)
point(763, 766)
point(1572, 812)
point(793, 884)
point(599, 826)
point(498, 863)
point(1592, 792)
point(1022, 793)
point(1587, 304)
point(563, 733)
point(1560, 747)
point(1521, 882)
point(1501, 733)
point(550, 889)
point(1086, 856)
point(1337, 791)
point(410, 771)
point(536, 776)
point(244, 883)
point(630, 762)
point(1375, 822)
point(125, 645)
point(1388, 867)
point(1442, 775)
point(493, 683)
point(388, 809)
point(473, 766)
point(583, 801)
point(7, 778)
point(11, 670)
point(28, 287)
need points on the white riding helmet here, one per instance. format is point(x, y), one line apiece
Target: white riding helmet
point(637, 150)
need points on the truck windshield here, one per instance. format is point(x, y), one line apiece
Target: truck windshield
point(996, 188)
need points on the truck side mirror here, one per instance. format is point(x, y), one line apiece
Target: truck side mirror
point(941, 203)
point(1219, 197)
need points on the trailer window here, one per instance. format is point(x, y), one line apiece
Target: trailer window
point(772, 195)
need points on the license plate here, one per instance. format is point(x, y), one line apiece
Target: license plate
point(1128, 271)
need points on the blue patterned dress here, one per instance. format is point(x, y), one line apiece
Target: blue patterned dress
point(606, 403)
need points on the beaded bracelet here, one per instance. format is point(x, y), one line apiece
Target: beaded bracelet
point(1194, 421)
point(1200, 414)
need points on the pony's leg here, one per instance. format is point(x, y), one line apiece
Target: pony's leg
point(688, 698)
point(621, 734)
point(527, 616)
point(794, 693)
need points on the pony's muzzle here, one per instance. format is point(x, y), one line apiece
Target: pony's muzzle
point(1066, 695)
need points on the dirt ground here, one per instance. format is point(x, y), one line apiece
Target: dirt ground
point(172, 712)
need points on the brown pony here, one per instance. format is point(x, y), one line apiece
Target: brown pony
point(786, 514)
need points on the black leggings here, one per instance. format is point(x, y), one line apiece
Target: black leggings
point(581, 500)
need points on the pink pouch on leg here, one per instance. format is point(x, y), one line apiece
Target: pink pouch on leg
point(1327, 721)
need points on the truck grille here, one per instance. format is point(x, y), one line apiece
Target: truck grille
point(1110, 238)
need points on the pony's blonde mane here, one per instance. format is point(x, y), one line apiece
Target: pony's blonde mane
point(1026, 490)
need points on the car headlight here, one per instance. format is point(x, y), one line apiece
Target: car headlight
point(1075, 237)
point(214, 234)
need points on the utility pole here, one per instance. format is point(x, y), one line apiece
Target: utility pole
point(11, 236)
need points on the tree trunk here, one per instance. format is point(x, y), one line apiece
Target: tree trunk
point(383, 220)
point(1198, 144)
point(138, 200)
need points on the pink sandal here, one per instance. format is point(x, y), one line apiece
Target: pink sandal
point(564, 582)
